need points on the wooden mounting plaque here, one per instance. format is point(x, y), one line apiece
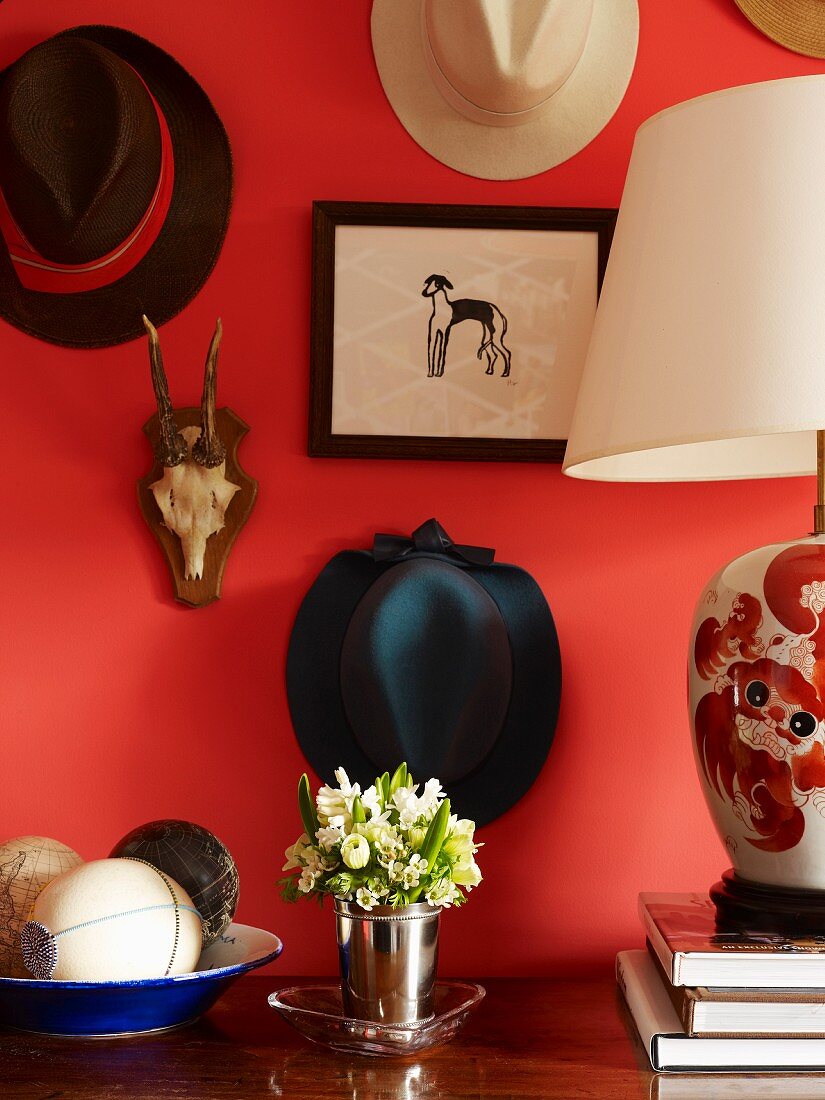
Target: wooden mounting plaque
point(199, 593)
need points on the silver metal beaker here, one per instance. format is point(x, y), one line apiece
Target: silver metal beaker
point(388, 961)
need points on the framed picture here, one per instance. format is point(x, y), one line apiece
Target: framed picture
point(450, 331)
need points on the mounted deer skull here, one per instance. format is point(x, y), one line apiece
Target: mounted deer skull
point(194, 493)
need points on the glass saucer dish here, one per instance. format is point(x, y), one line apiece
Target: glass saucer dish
point(317, 1012)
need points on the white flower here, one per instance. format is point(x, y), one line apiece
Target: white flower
point(412, 807)
point(408, 806)
point(443, 893)
point(295, 853)
point(395, 870)
point(375, 829)
point(312, 859)
point(467, 873)
point(355, 851)
point(409, 878)
point(370, 801)
point(390, 846)
point(307, 880)
point(343, 781)
point(328, 836)
point(431, 797)
point(418, 864)
point(459, 843)
point(330, 803)
point(364, 898)
point(336, 802)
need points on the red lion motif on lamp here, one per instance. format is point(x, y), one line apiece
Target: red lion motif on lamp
point(758, 688)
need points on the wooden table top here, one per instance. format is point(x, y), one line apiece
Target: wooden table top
point(528, 1038)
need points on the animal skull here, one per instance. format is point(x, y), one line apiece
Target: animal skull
point(193, 493)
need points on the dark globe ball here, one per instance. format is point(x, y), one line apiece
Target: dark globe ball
point(196, 859)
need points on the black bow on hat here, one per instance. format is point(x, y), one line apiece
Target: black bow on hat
point(429, 538)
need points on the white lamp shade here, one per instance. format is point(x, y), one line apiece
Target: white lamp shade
point(707, 358)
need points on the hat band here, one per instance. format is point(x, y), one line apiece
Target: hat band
point(467, 107)
point(35, 272)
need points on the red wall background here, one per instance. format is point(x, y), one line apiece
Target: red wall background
point(119, 706)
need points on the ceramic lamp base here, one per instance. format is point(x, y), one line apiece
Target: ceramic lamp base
point(743, 906)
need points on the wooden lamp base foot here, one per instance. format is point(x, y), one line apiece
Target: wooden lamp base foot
point(744, 906)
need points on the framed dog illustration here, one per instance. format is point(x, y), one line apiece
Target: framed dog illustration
point(451, 331)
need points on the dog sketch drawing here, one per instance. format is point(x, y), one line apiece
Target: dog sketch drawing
point(447, 313)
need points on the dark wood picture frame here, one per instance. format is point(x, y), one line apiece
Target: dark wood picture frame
point(326, 216)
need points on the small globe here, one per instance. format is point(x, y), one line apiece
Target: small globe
point(27, 863)
point(195, 858)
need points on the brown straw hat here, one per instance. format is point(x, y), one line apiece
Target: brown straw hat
point(797, 24)
point(115, 187)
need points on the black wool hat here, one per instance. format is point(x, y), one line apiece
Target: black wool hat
point(426, 651)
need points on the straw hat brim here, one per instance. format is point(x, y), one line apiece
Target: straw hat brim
point(583, 105)
point(799, 25)
point(179, 262)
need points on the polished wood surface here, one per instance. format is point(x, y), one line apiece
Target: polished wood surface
point(528, 1038)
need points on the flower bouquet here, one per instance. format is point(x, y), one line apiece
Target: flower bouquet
point(387, 856)
point(387, 845)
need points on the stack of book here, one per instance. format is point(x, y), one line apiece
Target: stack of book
point(706, 1000)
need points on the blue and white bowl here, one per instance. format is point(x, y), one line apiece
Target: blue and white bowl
point(129, 1008)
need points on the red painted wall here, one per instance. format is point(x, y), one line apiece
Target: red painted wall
point(119, 706)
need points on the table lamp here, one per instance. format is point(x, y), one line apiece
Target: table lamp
point(707, 361)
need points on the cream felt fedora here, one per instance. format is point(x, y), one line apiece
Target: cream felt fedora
point(798, 25)
point(504, 89)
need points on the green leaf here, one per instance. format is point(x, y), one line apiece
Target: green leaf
point(385, 787)
point(289, 889)
point(436, 834)
point(359, 814)
point(306, 807)
point(433, 841)
point(399, 778)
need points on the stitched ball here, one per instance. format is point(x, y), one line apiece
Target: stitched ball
point(112, 920)
point(27, 863)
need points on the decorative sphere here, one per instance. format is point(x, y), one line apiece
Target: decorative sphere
point(27, 863)
point(196, 859)
point(112, 920)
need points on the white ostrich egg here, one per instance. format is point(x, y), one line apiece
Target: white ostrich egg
point(27, 863)
point(112, 920)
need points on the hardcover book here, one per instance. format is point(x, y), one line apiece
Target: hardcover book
point(681, 929)
point(747, 1013)
point(732, 1086)
point(670, 1048)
